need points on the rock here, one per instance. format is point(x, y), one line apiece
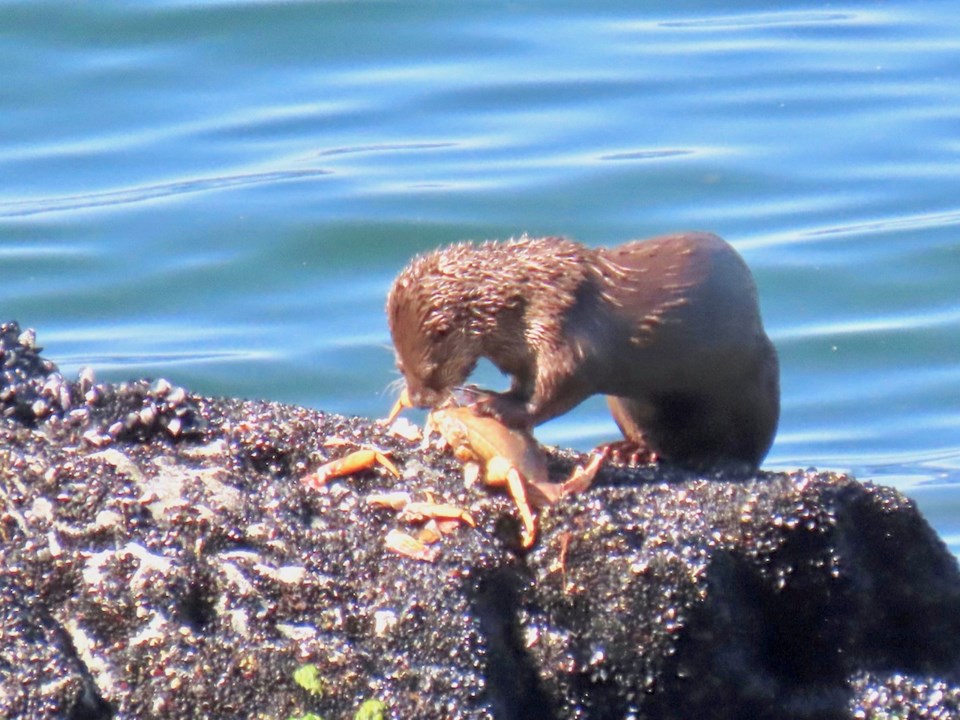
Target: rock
point(190, 574)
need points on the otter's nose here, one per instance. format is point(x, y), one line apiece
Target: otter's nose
point(424, 397)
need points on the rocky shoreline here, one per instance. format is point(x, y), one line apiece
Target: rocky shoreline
point(162, 558)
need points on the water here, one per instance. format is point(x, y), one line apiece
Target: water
point(221, 192)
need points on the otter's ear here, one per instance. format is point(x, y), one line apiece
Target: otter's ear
point(438, 325)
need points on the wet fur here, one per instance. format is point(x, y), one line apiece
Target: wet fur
point(668, 328)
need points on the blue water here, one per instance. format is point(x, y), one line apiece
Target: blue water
point(221, 192)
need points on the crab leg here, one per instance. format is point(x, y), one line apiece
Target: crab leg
point(518, 492)
point(438, 511)
point(402, 403)
point(347, 465)
point(582, 477)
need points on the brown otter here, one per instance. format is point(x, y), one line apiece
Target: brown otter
point(669, 328)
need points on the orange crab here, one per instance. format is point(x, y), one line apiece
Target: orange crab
point(510, 458)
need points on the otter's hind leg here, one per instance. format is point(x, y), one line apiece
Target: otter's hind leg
point(629, 415)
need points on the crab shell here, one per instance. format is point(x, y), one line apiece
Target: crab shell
point(498, 448)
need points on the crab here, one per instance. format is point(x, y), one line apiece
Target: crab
point(510, 458)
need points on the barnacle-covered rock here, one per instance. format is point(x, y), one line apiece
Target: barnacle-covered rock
point(160, 557)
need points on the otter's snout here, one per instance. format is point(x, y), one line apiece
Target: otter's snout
point(424, 397)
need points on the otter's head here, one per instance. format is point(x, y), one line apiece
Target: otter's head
point(435, 335)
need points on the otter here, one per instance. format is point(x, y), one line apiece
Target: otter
point(668, 328)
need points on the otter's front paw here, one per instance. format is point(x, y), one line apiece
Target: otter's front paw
point(507, 409)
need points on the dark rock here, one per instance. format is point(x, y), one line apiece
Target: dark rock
point(147, 572)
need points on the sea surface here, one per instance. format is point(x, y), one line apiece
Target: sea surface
point(220, 192)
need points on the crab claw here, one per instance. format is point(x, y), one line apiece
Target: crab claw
point(354, 462)
point(402, 403)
